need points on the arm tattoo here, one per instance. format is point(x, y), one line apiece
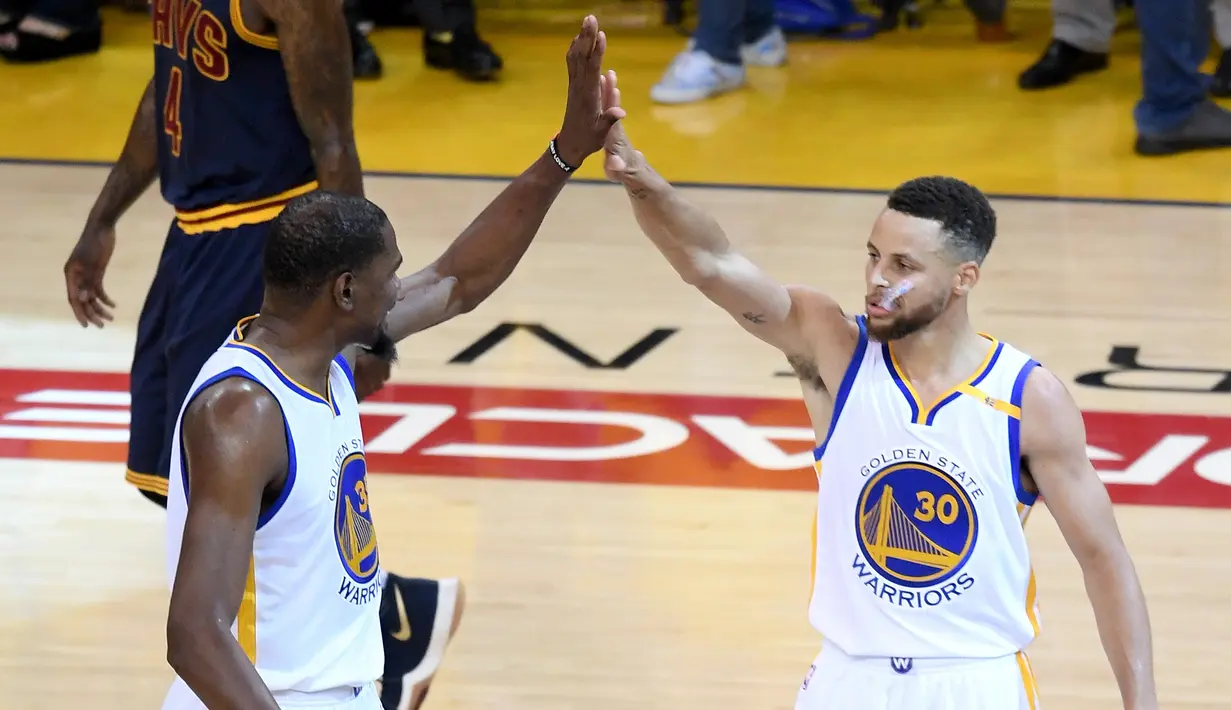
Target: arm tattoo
point(754, 317)
point(315, 47)
point(805, 370)
point(639, 193)
point(136, 167)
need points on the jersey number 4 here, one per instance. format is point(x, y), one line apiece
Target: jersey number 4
point(171, 110)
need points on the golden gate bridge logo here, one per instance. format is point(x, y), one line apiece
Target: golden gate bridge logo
point(916, 524)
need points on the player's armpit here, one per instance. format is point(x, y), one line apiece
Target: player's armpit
point(1053, 447)
point(316, 52)
point(234, 448)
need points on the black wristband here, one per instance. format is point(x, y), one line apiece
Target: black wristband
point(555, 155)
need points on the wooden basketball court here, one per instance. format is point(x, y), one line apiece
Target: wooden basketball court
point(631, 519)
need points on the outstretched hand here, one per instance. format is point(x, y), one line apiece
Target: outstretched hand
point(593, 105)
point(621, 161)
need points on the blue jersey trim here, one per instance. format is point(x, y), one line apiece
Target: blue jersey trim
point(291, 462)
point(1015, 433)
point(844, 391)
point(350, 374)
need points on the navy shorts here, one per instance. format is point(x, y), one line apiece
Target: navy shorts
point(204, 285)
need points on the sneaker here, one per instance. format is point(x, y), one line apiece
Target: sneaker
point(418, 618)
point(769, 51)
point(694, 75)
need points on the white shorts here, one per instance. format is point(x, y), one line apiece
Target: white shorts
point(837, 681)
point(181, 697)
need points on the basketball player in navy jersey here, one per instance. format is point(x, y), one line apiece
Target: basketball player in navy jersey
point(250, 106)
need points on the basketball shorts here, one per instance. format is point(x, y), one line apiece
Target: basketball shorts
point(181, 697)
point(837, 681)
point(205, 283)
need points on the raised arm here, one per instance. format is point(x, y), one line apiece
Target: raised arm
point(484, 255)
point(316, 51)
point(130, 177)
point(1053, 446)
point(800, 321)
point(228, 431)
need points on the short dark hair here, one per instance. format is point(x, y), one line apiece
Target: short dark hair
point(318, 236)
point(966, 218)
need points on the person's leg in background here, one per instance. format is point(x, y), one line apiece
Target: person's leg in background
point(44, 30)
point(1175, 113)
point(451, 39)
point(366, 63)
point(1081, 38)
point(989, 20)
point(730, 34)
point(1220, 10)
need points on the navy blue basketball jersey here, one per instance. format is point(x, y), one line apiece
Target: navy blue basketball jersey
point(231, 150)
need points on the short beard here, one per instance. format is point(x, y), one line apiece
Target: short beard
point(383, 348)
point(908, 324)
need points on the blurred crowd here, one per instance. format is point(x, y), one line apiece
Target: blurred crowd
point(47, 30)
point(1174, 114)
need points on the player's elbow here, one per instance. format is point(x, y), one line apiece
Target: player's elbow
point(180, 643)
point(700, 271)
point(187, 635)
point(1103, 558)
point(331, 146)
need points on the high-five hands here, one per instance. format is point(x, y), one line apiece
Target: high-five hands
point(593, 105)
point(621, 161)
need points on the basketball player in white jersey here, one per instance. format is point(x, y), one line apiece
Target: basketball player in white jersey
point(933, 443)
point(271, 546)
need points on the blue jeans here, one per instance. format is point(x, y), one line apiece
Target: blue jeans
point(1175, 40)
point(723, 25)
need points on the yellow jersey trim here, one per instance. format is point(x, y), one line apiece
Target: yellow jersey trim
point(247, 35)
point(245, 621)
point(923, 414)
point(147, 482)
point(236, 341)
point(230, 216)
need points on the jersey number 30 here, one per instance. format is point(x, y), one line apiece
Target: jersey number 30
point(171, 110)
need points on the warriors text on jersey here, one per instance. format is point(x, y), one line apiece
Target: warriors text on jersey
point(231, 147)
point(920, 550)
point(309, 615)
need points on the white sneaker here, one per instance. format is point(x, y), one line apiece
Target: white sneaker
point(769, 51)
point(694, 75)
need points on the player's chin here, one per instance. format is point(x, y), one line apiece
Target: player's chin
point(882, 328)
point(383, 346)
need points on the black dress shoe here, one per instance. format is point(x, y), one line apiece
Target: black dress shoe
point(366, 62)
point(1220, 83)
point(33, 48)
point(1208, 127)
point(462, 51)
point(1060, 64)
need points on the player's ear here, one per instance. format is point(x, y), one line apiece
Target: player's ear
point(344, 291)
point(966, 278)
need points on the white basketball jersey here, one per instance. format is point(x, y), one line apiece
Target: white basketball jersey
point(309, 618)
point(920, 550)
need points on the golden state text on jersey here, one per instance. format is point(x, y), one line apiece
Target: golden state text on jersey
point(353, 531)
point(919, 548)
point(916, 525)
